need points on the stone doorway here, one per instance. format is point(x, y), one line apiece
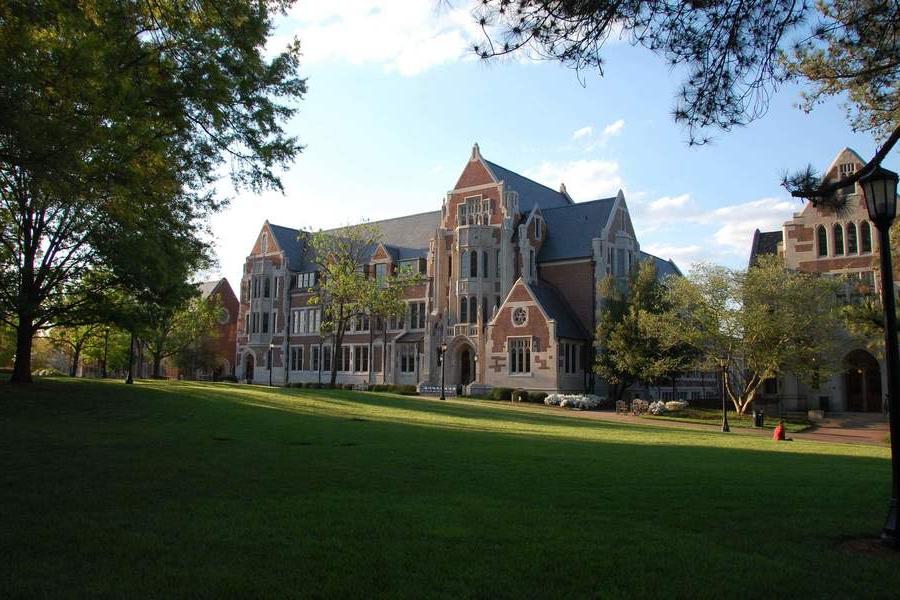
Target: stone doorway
point(248, 368)
point(466, 369)
point(862, 382)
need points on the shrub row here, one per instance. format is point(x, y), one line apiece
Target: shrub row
point(406, 389)
point(502, 393)
point(322, 386)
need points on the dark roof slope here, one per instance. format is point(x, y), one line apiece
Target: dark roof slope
point(571, 228)
point(664, 268)
point(764, 242)
point(530, 192)
point(567, 324)
point(404, 238)
point(207, 287)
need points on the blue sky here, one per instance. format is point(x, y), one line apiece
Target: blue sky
point(396, 101)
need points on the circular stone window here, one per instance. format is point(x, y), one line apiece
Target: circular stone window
point(519, 316)
point(224, 316)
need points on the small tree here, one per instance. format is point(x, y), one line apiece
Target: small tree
point(753, 324)
point(172, 329)
point(74, 340)
point(386, 301)
point(343, 289)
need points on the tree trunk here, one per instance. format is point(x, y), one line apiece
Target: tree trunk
point(157, 365)
point(384, 353)
point(105, 353)
point(76, 356)
point(336, 348)
point(24, 338)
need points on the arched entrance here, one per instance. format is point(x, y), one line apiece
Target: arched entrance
point(248, 367)
point(465, 367)
point(862, 382)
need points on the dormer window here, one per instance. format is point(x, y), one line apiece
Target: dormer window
point(537, 228)
point(846, 170)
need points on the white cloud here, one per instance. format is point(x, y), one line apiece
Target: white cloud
point(614, 128)
point(667, 202)
point(584, 131)
point(584, 179)
point(404, 37)
point(736, 224)
point(683, 256)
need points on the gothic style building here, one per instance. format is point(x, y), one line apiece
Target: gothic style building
point(845, 244)
point(510, 272)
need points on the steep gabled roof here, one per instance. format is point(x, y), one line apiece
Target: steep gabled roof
point(664, 267)
point(571, 228)
point(289, 242)
point(556, 307)
point(403, 237)
point(764, 242)
point(207, 287)
point(530, 192)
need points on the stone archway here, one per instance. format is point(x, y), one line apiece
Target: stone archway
point(248, 367)
point(862, 382)
point(466, 375)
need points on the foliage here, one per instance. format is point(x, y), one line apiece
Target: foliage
point(676, 405)
point(728, 48)
point(115, 118)
point(657, 408)
point(576, 401)
point(501, 393)
point(752, 324)
point(520, 396)
point(629, 343)
point(537, 397)
point(74, 340)
point(180, 328)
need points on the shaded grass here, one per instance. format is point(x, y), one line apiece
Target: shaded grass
point(187, 489)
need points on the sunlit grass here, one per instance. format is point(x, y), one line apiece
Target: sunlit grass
point(177, 488)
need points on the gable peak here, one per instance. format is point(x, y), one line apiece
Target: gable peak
point(476, 152)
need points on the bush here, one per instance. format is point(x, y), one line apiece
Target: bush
point(537, 397)
point(314, 386)
point(657, 408)
point(46, 372)
point(347, 386)
point(520, 396)
point(379, 387)
point(576, 401)
point(406, 390)
point(297, 384)
point(676, 405)
point(501, 393)
point(228, 378)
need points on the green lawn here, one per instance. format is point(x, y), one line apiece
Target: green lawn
point(180, 489)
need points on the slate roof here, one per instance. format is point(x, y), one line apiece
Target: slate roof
point(207, 287)
point(664, 267)
point(571, 228)
point(404, 238)
point(530, 192)
point(764, 242)
point(553, 303)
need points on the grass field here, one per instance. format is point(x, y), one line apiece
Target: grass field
point(179, 489)
point(712, 416)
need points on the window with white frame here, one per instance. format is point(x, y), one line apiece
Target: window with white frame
point(265, 322)
point(306, 280)
point(417, 315)
point(380, 272)
point(361, 359)
point(519, 355)
point(361, 323)
point(314, 358)
point(296, 358)
point(267, 287)
point(846, 170)
point(343, 359)
point(474, 210)
point(407, 354)
point(326, 358)
point(306, 320)
point(568, 357)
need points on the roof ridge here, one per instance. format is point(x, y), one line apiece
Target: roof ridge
point(547, 187)
point(579, 203)
point(298, 230)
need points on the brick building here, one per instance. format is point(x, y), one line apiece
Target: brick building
point(841, 244)
point(511, 270)
point(224, 336)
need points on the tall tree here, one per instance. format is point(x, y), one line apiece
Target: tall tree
point(752, 324)
point(385, 301)
point(344, 287)
point(114, 109)
point(630, 348)
point(173, 328)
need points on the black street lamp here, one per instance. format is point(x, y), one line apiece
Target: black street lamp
point(475, 359)
point(442, 350)
point(880, 190)
point(271, 356)
point(725, 427)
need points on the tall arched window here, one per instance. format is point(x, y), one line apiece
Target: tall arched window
point(473, 309)
point(822, 240)
point(463, 310)
point(865, 235)
point(464, 264)
point(473, 264)
point(851, 239)
point(838, 239)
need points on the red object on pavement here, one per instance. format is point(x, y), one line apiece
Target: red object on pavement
point(779, 433)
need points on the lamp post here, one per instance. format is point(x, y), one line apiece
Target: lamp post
point(271, 356)
point(725, 427)
point(442, 350)
point(880, 190)
point(475, 359)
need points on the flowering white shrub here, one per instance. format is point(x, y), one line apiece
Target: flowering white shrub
point(676, 405)
point(657, 408)
point(577, 401)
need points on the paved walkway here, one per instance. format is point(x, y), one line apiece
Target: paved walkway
point(850, 428)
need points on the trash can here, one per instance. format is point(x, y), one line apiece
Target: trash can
point(758, 417)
